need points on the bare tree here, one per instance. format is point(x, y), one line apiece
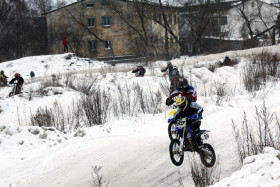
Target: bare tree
point(22, 30)
point(257, 15)
point(144, 12)
point(196, 18)
point(43, 6)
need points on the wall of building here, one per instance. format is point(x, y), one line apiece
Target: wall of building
point(125, 41)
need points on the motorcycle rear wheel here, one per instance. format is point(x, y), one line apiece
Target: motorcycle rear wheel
point(207, 155)
point(176, 156)
point(171, 135)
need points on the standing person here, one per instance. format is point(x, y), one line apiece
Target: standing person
point(140, 71)
point(3, 78)
point(65, 44)
point(20, 82)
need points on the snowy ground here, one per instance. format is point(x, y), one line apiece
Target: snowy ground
point(132, 150)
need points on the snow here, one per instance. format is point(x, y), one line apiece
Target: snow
point(257, 170)
point(133, 150)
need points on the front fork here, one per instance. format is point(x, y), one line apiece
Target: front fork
point(182, 141)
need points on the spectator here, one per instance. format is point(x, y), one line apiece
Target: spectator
point(65, 44)
point(227, 61)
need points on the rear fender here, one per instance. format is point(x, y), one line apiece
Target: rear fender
point(204, 134)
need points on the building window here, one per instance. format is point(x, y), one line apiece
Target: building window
point(224, 20)
point(91, 22)
point(175, 19)
point(170, 19)
point(107, 44)
point(89, 5)
point(104, 3)
point(92, 45)
point(106, 21)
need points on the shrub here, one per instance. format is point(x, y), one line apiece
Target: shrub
point(263, 66)
point(219, 89)
point(203, 176)
point(252, 140)
point(97, 178)
point(42, 118)
point(56, 117)
point(95, 107)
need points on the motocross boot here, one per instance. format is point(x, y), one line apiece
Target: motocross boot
point(198, 141)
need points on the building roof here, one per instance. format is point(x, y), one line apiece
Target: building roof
point(216, 6)
point(130, 1)
point(78, 1)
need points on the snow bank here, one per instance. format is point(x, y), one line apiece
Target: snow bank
point(258, 170)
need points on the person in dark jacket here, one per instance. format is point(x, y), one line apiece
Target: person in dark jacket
point(227, 61)
point(174, 75)
point(19, 82)
point(168, 68)
point(140, 71)
point(65, 44)
point(193, 111)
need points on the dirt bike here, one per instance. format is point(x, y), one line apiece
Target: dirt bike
point(14, 90)
point(184, 140)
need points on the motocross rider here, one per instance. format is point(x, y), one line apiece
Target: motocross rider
point(140, 71)
point(20, 82)
point(193, 111)
point(184, 89)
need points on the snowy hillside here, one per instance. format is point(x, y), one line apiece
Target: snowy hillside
point(132, 144)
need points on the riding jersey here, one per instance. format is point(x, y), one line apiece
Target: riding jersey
point(193, 111)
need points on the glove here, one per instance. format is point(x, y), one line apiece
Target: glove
point(169, 101)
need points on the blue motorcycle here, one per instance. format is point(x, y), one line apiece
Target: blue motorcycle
point(182, 139)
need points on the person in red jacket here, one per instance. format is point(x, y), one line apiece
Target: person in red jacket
point(65, 44)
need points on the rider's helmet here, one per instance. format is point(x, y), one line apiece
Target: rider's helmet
point(169, 63)
point(2, 71)
point(139, 65)
point(181, 102)
point(226, 57)
point(183, 83)
point(16, 75)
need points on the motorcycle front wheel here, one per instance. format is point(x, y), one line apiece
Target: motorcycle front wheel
point(11, 94)
point(176, 156)
point(171, 135)
point(207, 155)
